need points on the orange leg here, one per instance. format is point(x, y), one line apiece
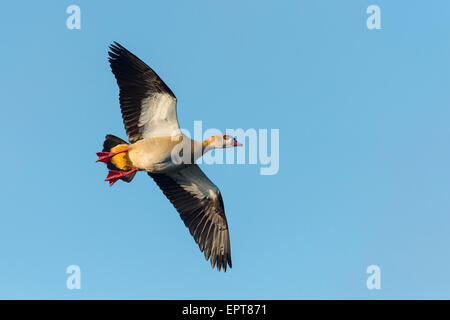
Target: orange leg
point(106, 156)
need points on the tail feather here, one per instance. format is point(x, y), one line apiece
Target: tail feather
point(119, 162)
point(112, 141)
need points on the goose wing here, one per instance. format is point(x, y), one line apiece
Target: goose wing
point(200, 206)
point(149, 107)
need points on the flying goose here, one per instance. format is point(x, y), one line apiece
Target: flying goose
point(149, 112)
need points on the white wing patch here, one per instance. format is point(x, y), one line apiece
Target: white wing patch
point(158, 116)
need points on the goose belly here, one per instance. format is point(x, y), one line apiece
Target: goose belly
point(153, 155)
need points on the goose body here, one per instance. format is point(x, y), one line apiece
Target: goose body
point(150, 118)
point(154, 154)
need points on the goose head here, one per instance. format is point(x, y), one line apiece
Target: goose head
point(221, 141)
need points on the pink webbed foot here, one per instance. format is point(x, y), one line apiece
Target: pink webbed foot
point(114, 175)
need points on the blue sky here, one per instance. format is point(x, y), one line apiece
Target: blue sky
point(364, 149)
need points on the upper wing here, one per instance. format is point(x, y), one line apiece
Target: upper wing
point(149, 107)
point(200, 205)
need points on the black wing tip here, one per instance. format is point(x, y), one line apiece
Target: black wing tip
point(116, 50)
point(115, 46)
point(125, 63)
point(217, 260)
point(220, 262)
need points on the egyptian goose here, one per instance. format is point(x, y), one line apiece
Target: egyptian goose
point(150, 117)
